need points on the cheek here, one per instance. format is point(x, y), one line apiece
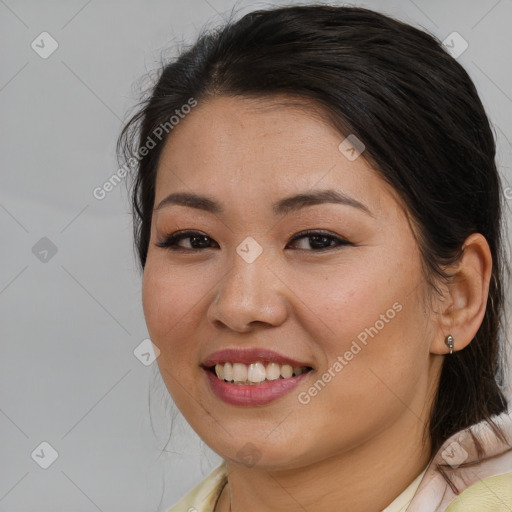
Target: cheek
point(168, 305)
point(350, 299)
point(372, 318)
point(155, 300)
point(170, 296)
point(387, 358)
point(372, 382)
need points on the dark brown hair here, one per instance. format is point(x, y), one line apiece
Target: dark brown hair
point(424, 127)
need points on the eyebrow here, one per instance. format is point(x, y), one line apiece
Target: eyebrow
point(282, 207)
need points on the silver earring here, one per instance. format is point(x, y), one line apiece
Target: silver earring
point(449, 342)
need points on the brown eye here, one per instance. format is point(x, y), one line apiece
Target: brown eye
point(321, 240)
point(197, 241)
point(318, 241)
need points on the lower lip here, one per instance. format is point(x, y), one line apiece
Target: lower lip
point(255, 394)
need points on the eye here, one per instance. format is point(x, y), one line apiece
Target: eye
point(197, 242)
point(321, 240)
point(318, 240)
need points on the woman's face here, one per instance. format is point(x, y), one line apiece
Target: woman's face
point(347, 300)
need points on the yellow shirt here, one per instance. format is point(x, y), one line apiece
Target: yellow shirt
point(493, 494)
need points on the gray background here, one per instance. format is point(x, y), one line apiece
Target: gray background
point(70, 321)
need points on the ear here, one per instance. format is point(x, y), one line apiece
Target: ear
point(462, 309)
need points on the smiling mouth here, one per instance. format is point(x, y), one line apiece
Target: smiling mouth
point(256, 373)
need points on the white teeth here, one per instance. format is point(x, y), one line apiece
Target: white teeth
point(286, 371)
point(273, 371)
point(219, 370)
point(240, 372)
point(255, 373)
point(228, 372)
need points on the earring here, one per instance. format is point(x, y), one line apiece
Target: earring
point(449, 342)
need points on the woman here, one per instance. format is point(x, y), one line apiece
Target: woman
point(317, 216)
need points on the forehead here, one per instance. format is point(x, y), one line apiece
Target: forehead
point(230, 120)
point(268, 146)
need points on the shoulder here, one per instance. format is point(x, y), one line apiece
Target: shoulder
point(203, 496)
point(493, 494)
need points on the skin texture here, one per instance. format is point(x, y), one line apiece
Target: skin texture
point(359, 442)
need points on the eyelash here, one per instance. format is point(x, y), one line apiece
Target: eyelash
point(170, 241)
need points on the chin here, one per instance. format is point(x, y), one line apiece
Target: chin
point(260, 454)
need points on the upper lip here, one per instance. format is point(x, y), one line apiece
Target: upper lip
point(248, 356)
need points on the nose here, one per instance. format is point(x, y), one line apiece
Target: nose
point(248, 295)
